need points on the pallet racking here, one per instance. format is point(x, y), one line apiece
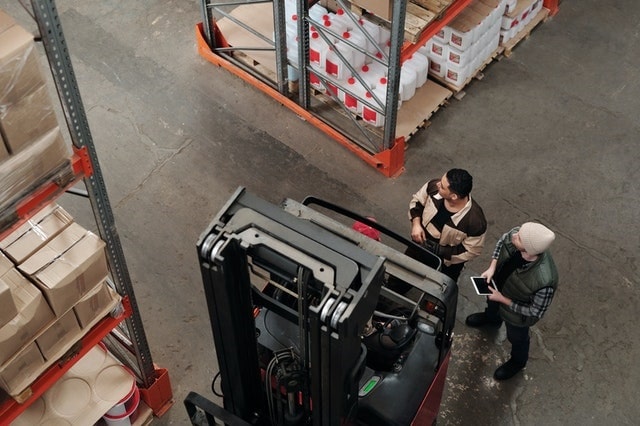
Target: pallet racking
point(232, 35)
point(128, 340)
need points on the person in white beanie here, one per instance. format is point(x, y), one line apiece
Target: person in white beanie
point(526, 279)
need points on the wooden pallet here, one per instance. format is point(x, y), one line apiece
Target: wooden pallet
point(420, 14)
point(438, 7)
point(524, 34)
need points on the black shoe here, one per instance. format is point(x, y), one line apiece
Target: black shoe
point(507, 370)
point(480, 319)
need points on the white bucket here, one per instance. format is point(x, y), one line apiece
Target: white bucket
point(462, 34)
point(443, 35)
point(408, 82)
point(420, 65)
point(438, 50)
point(437, 67)
point(121, 412)
point(334, 65)
point(461, 57)
point(456, 75)
point(510, 6)
point(508, 22)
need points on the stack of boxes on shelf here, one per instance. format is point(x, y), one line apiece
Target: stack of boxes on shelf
point(347, 57)
point(53, 272)
point(53, 288)
point(31, 145)
point(517, 14)
point(459, 49)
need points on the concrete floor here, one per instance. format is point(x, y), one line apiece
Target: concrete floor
point(550, 134)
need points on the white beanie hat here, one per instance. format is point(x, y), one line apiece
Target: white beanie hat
point(535, 237)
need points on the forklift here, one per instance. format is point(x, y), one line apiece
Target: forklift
point(316, 323)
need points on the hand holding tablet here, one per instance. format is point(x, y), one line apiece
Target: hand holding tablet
point(481, 285)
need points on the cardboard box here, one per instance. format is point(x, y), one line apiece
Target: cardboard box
point(5, 264)
point(22, 370)
point(68, 267)
point(96, 305)
point(380, 8)
point(27, 120)
point(20, 72)
point(6, 21)
point(35, 233)
point(33, 316)
point(23, 171)
point(8, 308)
point(59, 337)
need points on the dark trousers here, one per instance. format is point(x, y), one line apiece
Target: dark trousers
point(517, 336)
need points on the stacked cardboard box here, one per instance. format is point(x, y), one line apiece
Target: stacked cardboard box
point(53, 284)
point(31, 145)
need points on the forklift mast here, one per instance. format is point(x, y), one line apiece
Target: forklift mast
point(307, 326)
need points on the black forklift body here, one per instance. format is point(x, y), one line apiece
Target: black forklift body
point(306, 327)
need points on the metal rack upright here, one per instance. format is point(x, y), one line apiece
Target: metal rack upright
point(131, 342)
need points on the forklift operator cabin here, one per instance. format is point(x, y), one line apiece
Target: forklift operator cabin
point(306, 330)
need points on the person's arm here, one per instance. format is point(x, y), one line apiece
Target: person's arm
point(539, 305)
point(416, 208)
point(491, 270)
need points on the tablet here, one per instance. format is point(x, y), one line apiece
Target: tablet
point(481, 285)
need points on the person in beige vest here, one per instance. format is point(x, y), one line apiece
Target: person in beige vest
point(447, 221)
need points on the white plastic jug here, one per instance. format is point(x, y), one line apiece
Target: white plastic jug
point(408, 83)
point(373, 30)
point(372, 73)
point(351, 94)
point(420, 65)
point(317, 50)
point(334, 64)
point(359, 40)
point(317, 12)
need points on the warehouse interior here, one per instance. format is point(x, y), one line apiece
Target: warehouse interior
point(550, 134)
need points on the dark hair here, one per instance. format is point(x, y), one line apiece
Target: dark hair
point(460, 182)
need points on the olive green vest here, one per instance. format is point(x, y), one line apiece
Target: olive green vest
point(523, 283)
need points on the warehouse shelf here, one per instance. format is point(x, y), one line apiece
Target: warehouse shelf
point(11, 408)
point(250, 42)
point(221, 41)
point(44, 192)
point(131, 348)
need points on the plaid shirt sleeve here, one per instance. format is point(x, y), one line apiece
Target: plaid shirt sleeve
point(541, 301)
point(506, 236)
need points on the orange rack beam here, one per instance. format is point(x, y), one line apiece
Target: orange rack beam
point(452, 11)
point(552, 5)
point(11, 409)
point(80, 168)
